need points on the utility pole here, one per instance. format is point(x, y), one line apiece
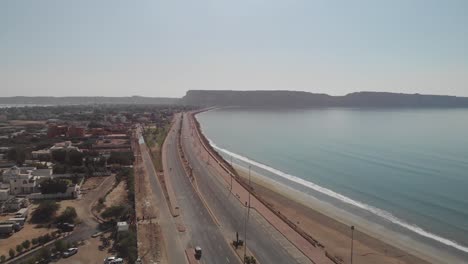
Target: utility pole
point(352, 240)
point(250, 189)
point(245, 234)
point(231, 174)
point(246, 218)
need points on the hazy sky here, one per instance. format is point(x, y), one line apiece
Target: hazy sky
point(164, 48)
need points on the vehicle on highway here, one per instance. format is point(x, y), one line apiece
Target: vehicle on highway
point(70, 252)
point(113, 260)
point(198, 252)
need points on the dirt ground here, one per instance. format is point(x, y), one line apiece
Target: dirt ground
point(117, 196)
point(145, 202)
point(150, 251)
point(149, 232)
point(92, 183)
point(27, 233)
point(89, 253)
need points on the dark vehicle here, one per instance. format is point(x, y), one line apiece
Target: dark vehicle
point(70, 252)
point(66, 227)
point(198, 252)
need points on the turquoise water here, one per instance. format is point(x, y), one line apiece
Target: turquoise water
point(407, 168)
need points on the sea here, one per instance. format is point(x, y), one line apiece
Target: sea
point(404, 169)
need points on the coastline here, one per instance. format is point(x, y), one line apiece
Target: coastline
point(331, 227)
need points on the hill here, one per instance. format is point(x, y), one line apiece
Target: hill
point(284, 99)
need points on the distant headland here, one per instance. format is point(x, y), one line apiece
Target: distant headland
point(270, 99)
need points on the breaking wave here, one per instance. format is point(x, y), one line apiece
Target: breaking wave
point(374, 210)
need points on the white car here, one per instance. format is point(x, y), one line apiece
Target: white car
point(70, 252)
point(113, 260)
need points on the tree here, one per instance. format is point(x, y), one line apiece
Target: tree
point(67, 216)
point(60, 245)
point(19, 248)
point(54, 186)
point(34, 241)
point(11, 252)
point(2, 258)
point(60, 169)
point(44, 253)
point(115, 212)
point(17, 155)
point(45, 212)
point(127, 246)
point(26, 244)
point(75, 158)
point(59, 155)
point(122, 158)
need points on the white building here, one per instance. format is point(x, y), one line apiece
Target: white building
point(4, 194)
point(25, 180)
point(122, 226)
point(66, 145)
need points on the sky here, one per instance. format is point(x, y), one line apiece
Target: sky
point(164, 48)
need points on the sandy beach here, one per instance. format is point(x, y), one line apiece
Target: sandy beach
point(332, 228)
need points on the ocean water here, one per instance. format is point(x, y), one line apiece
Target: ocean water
point(404, 168)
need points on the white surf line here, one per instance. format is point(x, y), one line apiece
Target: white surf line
point(379, 212)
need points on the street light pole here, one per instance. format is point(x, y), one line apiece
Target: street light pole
point(245, 236)
point(352, 240)
point(231, 174)
point(250, 188)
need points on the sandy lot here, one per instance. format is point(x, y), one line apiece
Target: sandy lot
point(89, 253)
point(117, 196)
point(92, 183)
point(27, 233)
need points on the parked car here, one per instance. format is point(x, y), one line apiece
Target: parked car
point(70, 252)
point(113, 260)
point(66, 227)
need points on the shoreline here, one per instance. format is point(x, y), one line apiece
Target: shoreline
point(331, 227)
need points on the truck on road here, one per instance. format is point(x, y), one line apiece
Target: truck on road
point(6, 229)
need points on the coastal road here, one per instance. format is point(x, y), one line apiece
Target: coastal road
point(201, 229)
point(266, 243)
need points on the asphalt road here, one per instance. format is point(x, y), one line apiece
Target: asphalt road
point(201, 228)
point(266, 243)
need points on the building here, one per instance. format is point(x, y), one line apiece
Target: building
point(4, 194)
point(4, 149)
point(122, 226)
point(21, 180)
point(66, 145)
point(25, 180)
point(73, 191)
point(74, 131)
point(41, 154)
point(55, 130)
point(98, 132)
